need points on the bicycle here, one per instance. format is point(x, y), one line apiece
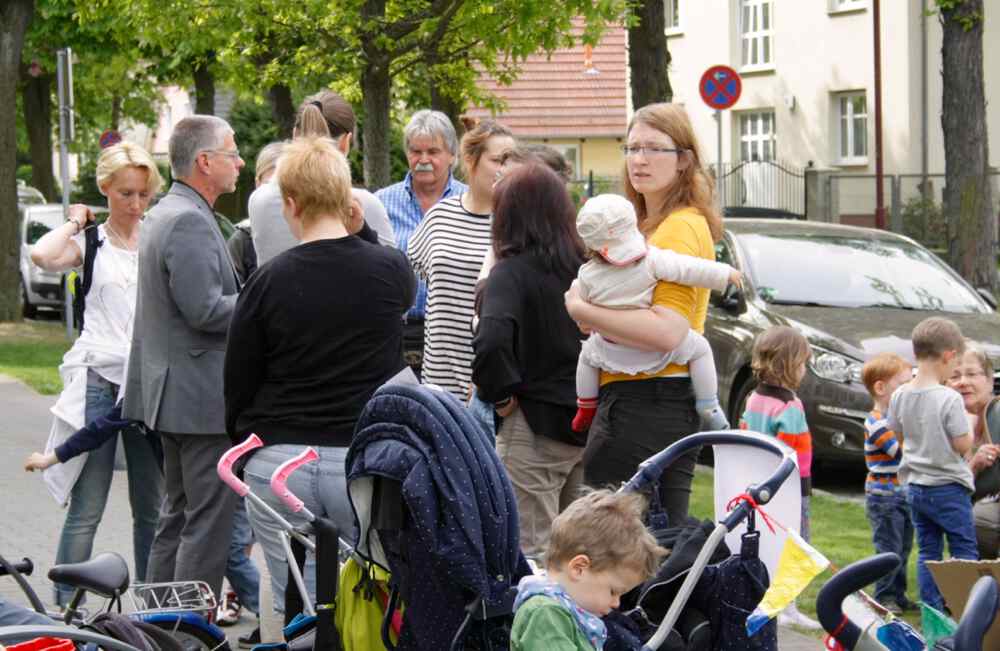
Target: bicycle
point(181, 608)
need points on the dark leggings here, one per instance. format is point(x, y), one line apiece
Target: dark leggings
point(635, 420)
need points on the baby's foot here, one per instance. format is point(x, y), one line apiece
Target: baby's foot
point(586, 408)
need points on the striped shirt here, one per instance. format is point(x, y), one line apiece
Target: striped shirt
point(779, 412)
point(447, 251)
point(883, 454)
point(405, 214)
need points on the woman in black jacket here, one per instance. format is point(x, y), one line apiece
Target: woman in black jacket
point(527, 346)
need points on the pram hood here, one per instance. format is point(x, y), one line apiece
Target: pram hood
point(453, 485)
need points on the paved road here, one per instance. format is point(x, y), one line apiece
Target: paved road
point(32, 519)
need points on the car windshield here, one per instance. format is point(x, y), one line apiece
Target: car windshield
point(853, 272)
point(41, 222)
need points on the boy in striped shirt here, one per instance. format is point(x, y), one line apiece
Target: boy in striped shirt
point(885, 498)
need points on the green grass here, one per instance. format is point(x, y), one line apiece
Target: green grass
point(840, 531)
point(32, 352)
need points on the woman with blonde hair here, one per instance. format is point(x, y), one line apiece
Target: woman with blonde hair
point(300, 361)
point(673, 199)
point(325, 115)
point(94, 368)
point(447, 251)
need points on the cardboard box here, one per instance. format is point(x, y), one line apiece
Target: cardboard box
point(955, 579)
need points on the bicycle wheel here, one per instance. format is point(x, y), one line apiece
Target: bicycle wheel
point(193, 635)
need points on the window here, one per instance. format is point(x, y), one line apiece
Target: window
point(843, 6)
point(572, 155)
point(756, 34)
point(757, 136)
point(853, 128)
point(672, 16)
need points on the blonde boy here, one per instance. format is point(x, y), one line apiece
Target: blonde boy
point(885, 498)
point(939, 482)
point(599, 549)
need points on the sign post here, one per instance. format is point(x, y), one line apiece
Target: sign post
point(720, 88)
point(64, 81)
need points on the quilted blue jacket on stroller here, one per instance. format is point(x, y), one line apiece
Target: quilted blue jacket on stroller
point(434, 507)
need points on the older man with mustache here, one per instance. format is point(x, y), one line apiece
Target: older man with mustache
point(431, 150)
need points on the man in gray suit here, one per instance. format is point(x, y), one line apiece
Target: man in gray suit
point(186, 294)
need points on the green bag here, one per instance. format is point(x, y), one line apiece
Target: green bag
point(935, 624)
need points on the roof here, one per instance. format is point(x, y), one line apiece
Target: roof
point(567, 95)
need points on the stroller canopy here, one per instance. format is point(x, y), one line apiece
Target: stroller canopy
point(434, 507)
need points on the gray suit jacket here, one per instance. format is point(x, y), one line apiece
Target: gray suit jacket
point(186, 294)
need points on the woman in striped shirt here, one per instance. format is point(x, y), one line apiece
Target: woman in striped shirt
point(447, 251)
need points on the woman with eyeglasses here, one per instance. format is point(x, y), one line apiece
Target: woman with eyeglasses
point(639, 415)
point(974, 380)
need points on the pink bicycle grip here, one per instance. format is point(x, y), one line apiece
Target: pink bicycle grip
point(281, 474)
point(225, 465)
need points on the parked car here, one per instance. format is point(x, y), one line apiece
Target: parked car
point(853, 293)
point(41, 288)
point(27, 195)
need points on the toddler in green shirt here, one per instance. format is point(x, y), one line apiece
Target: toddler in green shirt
point(599, 549)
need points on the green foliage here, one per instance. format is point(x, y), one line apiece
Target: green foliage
point(955, 9)
point(251, 120)
point(924, 220)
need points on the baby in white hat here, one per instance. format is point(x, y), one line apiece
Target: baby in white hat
point(622, 274)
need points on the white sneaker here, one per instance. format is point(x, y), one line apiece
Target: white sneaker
point(791, 616)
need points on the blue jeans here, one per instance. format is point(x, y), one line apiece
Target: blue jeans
point(16, 615)
point(90, 492)
point(482, 412)
point(240, 570)
point(322, 487)
point(892, 531)
point(940, 511)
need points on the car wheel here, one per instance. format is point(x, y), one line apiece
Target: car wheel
point(28, 310)
point(740, 403)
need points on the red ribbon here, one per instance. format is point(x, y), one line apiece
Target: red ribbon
point(746, 497)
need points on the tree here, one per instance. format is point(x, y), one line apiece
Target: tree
point(968, 202)
point(648, 56)
point(15, 15)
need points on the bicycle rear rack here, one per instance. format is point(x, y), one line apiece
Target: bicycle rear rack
point(173, 597)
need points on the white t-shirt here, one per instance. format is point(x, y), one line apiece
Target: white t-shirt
point(110, 303)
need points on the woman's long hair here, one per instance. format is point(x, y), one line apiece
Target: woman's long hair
point(693, 187)
point(533, 213)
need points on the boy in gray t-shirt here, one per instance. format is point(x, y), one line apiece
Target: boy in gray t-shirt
point(935, 432)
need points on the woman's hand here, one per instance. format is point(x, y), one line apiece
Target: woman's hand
point(984, 457)
point(506, 408)
point(79, 214)
point(39, 461)
point(575, 305)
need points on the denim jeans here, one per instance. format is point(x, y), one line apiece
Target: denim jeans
point(322, 487)
point(483, 413)
point(240, 570)
point(892, 531)
point(90, 492)
point(940, 511)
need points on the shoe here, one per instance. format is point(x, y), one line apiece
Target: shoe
point(791, 616)
point(249, 640)
point(713, 419)
point(229, 610)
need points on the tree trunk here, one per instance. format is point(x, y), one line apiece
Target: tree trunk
point(36, 94)
point(116, 111)
point(14, 18)
point(972, 224)
point(204, 88)
point(453, 109)
point(376, 88)
point(282, 109)
point(648, 57)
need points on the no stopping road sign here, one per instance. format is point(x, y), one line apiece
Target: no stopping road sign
point(720, 87)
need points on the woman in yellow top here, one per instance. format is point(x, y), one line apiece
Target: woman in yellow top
point(639, 415)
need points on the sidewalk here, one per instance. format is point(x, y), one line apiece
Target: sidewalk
point(32, 519)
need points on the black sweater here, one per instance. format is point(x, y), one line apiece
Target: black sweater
point(527, 345)
point(315, 331)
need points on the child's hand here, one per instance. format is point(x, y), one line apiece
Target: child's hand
point(39, 461)
point(736, 277)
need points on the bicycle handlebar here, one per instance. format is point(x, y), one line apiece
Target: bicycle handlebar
point(281, 474)
point(25, 567)
point(830, 600)
point(229, 457)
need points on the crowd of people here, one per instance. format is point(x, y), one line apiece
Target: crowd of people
point(574, 336)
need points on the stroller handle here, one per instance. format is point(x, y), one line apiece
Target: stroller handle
point(980, 610)
point(829, 602)
point(229, 457)
point(652, 468)
point(279, 480)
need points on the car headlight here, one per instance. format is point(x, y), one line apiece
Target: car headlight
point(831, 366)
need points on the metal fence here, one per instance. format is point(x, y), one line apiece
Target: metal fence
point(775, 185)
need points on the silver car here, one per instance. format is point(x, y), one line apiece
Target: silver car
point(39, 288)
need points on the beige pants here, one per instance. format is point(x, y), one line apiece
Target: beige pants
point(546, 475)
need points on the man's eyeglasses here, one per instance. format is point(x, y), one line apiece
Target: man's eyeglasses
point(648, 150)
point(224, 152)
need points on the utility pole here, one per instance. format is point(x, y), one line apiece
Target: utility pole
point(879, 175)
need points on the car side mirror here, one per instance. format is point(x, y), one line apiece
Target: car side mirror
point(987, 296)
point(732, 299)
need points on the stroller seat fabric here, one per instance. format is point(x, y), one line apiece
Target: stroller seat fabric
point(434, 507)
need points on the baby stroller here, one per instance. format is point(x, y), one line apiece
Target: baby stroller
point(434, 506)
point(980, 609)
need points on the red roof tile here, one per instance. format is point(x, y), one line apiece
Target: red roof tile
point(556, 96)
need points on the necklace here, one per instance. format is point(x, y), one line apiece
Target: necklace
point(124, 242)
